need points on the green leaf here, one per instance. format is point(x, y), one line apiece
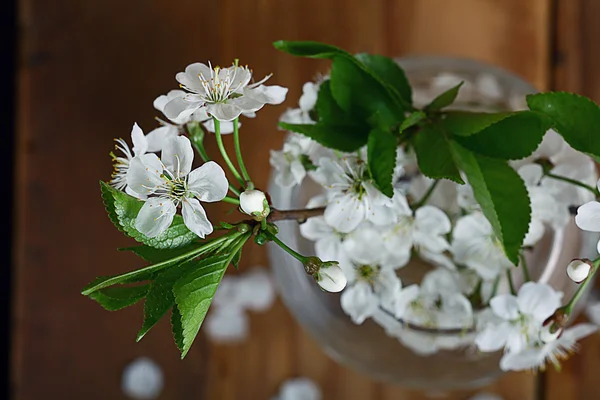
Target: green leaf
point(327, 108)
point(149, 272)
point(575, 117)
point(308, 49)
point(160, 298)
point(346, 138)
point(176, 327)
point(388, 71)
point(237, 257)
point(123, 210)
point(194, 292)
point(381, 154)
point(511, 138)
point(465, 123)
point(153, 255)
point(363, 96)
point(434, 155)
point(502, 195)
point(412, 120)
point(116, 298)
point(444, 99)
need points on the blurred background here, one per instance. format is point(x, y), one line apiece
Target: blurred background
point(85, 71)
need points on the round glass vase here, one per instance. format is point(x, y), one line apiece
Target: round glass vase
point(366, 347)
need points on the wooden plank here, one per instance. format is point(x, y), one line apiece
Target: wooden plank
point(576, 70)
point(90, 69)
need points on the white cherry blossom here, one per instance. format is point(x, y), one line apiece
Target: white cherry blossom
point(170, 182)
point(571, 164)
point(520, 318)
point(475, 246)
point(122, 163)
point(328, 241)
point(159, 135)
point(351, 197)
point(552, 352)
point(307, 102)
point(224, 92)
point(289, 162)
point(588, 218)
point(545, 208)
point(369, 287)
point(425, 231)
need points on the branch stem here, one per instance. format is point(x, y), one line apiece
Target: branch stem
point(287, 249)
point(573, 182)
point(238, 154)
point(298, 215)
point(224, 154)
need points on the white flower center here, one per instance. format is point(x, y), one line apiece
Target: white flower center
point(217, 88)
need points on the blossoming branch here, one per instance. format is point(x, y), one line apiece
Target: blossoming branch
point(468, 193)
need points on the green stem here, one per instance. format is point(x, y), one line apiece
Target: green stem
point(238, 154)
point(573, 182)
point(234, 171)
point(231, 200)
point(525, 267)
point(582, 287)
point(285, 247)
point(511, 285)
point(426, 196)
point(198, 143)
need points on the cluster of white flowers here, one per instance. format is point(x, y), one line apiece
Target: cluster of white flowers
point(228, 321)
point(168, 182)
point(373, 236)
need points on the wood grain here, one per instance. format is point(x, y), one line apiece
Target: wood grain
point(89, 69)
point(577, 70)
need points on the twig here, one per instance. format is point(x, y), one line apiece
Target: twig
point(298, 215)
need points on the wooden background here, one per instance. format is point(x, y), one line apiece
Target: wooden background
point(89, 69)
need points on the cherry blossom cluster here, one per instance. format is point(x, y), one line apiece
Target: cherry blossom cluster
point(464, 300)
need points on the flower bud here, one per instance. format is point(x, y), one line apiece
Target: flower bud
point(579, 269)
point(254, 203)
point(331, 277)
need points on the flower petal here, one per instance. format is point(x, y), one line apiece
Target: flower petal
point(359, 302)
point(155, 217)
point(247, 104)
point(179, 110)
point(267, 94)
point(505, 306)
point(316, 228)
point(190, 79)
point(538, 300)
point(224, 111)
point(208, 182)
point(588, 217)
point(195, 218)
point(493, 337)
point(178, 156)
point(140, 143)
point(345, 212)
point(227, 324)
point(524, 360)
point(144, 174)
point(158, 137)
